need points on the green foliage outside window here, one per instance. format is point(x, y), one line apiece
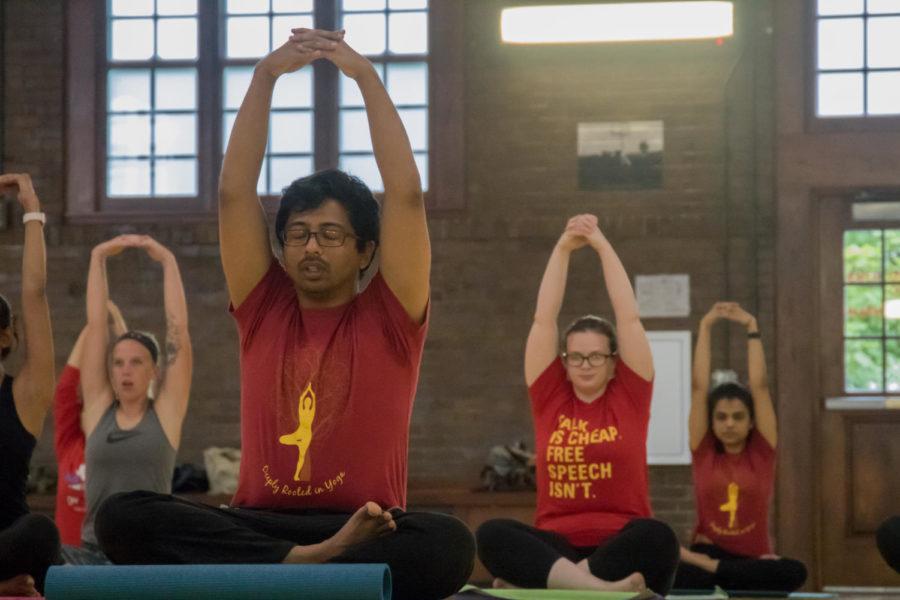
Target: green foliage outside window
point(872, 310)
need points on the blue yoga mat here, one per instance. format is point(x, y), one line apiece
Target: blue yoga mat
point(219, 582)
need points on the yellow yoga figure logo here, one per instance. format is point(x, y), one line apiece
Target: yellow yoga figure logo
point(731, 507)
point(302, 437)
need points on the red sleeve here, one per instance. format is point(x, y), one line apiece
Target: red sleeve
point(638, 389)
point(67, 411)
point(275, 288)
point(549, 383)
point(406, 335)
point(760, 447)
point(707, 445)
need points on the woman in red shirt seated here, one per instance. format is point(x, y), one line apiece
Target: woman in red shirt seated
point(591, 410)
point(69, 438)
point(733, 435)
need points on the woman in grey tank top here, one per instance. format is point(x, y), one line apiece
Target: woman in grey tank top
point(132, 438)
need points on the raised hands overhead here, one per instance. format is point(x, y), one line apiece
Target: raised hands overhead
point(634, 347)
point(698, 420)
point(154, 249)
point(21, 186)
point(763, 408)
point(582, 231)
point(331, 46)
point(303, 47)
point(243, 232)
point(576, 233)
point(33, 387)
point(403, 223)
point(543, 339)
point(97, 392)
point(171, 403)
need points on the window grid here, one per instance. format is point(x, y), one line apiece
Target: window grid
point(129, 166)
point(269, 183)
point(359, 161)
point(211, 130)
point(866, 70)
point(152, 65)
point(887, 283)
point(153, 114)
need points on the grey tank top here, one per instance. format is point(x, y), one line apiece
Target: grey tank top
point(125, 460)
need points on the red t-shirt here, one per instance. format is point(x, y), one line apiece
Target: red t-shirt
point(591, 458)
point(733, 494)
point(326, 398)
point(69, 445)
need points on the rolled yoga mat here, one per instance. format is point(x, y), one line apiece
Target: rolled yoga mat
point(220, 582)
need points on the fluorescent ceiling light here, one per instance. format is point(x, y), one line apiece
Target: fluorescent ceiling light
point(621, 22)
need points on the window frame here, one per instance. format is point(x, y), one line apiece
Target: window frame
point(835, 218)
point(884, 338)
point(849, 124)
point(86, 199)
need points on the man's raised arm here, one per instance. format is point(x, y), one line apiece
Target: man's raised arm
point(405, 259)
point(243, 233)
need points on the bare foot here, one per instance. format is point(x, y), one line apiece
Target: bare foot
point(367, 523)
point(504, 584)
point(633, 583)
point(20, 585)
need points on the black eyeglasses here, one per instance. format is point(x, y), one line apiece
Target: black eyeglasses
point(576, 359)
point(328, 237)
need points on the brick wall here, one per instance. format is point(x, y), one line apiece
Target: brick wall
point(712, 220)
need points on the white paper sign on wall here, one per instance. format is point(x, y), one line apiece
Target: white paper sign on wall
point(663, 295)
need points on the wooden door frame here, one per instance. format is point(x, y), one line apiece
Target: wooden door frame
point(810, 226)
point(797, 373)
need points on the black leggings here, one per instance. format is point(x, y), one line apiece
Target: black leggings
point(30, 545)
point(524, 555)
point(430, 555)
point(888, 539)
point(741, 573)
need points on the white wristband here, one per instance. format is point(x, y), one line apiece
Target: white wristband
point(34, 216)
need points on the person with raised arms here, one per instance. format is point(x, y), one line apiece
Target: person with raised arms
point(29, 544)
point(131, 433)
point(328, 372)
point(591, 409)
point(733, 434)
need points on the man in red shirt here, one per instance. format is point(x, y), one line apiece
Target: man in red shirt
point(328, 373)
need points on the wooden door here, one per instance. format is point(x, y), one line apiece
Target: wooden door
point(858, 441)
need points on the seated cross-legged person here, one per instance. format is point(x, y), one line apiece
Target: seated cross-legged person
point(131, 434)
point(591, 410)
point(29, 543)
point(888, 540)
point(328, 372)
point(733, 434)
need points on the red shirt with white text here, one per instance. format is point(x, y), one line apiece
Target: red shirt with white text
point(69, 445)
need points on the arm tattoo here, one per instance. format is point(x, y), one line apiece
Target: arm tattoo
point(173, 344)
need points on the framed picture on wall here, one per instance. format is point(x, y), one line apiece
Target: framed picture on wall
point(616, 155)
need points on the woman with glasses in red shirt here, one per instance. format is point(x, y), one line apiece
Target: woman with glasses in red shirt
point(591, 410)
